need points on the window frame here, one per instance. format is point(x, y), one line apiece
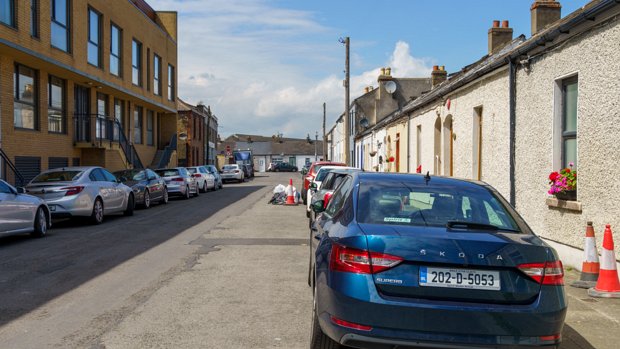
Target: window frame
point(567, 135)
point(35, 96)
point(63, 108)
point(137, 124)
point(35, 30)
point(89, 41)
point(150, 134)
point(118, 56)
point(157, 75)
point(66, 26)
point(171, 84)
point(136, 48)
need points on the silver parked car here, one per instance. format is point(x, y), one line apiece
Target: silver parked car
point(22, 213)
point(82, 192)
point(179, 181)
point(147, 186)
point(233, 172)
point(205, 179)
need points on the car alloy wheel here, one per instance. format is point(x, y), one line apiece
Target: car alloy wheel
point(205, 188)
point(187, 194)
point(96, 216)
point(197, 190)
point(147, 199)
point(131, 204)
point(40, 223)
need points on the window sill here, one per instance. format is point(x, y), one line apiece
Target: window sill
point(564, 204)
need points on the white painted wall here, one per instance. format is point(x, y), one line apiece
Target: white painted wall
point(595, 57)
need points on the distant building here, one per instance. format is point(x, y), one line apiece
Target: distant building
point(266, 150)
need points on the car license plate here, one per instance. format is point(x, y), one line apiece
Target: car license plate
point(460, 278)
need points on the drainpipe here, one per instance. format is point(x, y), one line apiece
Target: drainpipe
point(512, 67)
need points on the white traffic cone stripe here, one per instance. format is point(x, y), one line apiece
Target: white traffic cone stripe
point(590, 251)
point(608, 260)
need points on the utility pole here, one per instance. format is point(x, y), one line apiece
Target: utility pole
point(324, 135)
point(316, 140)
point(346, 107)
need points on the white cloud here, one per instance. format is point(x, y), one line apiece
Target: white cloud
point(264, 69)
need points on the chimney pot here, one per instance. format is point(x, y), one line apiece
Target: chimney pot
point(438, 75)
point(495, 24)
point(505, 24)
point(388, 71)
point(382, 71)
point(499, 37)
point(435, 67)
point(442, 68)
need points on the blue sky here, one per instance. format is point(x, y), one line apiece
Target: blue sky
point(267, 66)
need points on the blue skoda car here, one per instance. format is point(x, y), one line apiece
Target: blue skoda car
point(401, 261)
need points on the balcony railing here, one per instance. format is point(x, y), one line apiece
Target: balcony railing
point(9, 172)
point(99, 129)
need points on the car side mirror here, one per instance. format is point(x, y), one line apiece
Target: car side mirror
point(313, 186)
point(318, 206)
point(21, 190)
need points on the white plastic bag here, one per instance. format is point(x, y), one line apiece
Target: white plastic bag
point(279, 189)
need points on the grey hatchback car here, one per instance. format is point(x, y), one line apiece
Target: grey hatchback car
point(22, 213)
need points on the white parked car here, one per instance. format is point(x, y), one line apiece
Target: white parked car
point(232, 172)
point(206, 181)
point(22, 213)
point(82, 192)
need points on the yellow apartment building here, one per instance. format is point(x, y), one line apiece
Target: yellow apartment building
point(85, 82)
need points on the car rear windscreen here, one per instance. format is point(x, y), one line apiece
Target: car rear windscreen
point(228, 168)
point(57, 176)
point(168, 173)
point(431, 205)
point(191, 170)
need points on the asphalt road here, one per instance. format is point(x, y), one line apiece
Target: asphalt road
point(223, 270)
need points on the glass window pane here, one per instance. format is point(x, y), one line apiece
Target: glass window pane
point(570, 152)
point(23, 115)
point(134, 53)
point(25, 88)
point(93, 30)
point(59, 37)
point(6, 12)
point(54, 118)
point(93, 54)
point(114, 65)
point(56, 93)
point(570, 107)
point(135, 76)
point(115, 41)
point(59, 11)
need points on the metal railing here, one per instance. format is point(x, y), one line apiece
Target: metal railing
point(9, 172)
point(167, 154)
point(105, 130)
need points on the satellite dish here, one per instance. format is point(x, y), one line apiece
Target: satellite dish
point(390, 87)
point(364, 123)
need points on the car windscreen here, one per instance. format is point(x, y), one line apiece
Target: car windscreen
point(57, 176)
point(168, 172)
point(402, 203)
point(133, 175)
point(321, 175)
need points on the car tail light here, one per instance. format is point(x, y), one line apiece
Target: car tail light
point(553, 337)
point(177, 179)
point(326, 198)
point(348, 324)
point(196, 175)
point(549, 273)
point(73, 190)
point(236, 171)
point(352, 260)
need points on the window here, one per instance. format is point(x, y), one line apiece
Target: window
point(170, 82)
point(34, 18)
point(7, 12)
point(137, 125)
point(94, 37)
point(136, 63)
point(102, 114)
point(157, 75)
point(569, 122)
point(149, 127)
point(115, 50)
point(338, 199)
point(60, 24)
point(56, 105)
point(25, 93)
point(148, 69)
point(119, 107)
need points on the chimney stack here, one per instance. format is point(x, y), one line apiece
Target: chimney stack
point(544, 13)
point(499, 37)
point(438, 75)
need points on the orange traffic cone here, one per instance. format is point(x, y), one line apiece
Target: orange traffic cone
point(608, 285)
point(290, 196)
point(590, 266)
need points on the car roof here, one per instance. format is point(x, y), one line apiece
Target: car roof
point(72, 168)
point(414, 178)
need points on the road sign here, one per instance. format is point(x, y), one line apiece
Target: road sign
point(228, 149)
point(228, 153)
